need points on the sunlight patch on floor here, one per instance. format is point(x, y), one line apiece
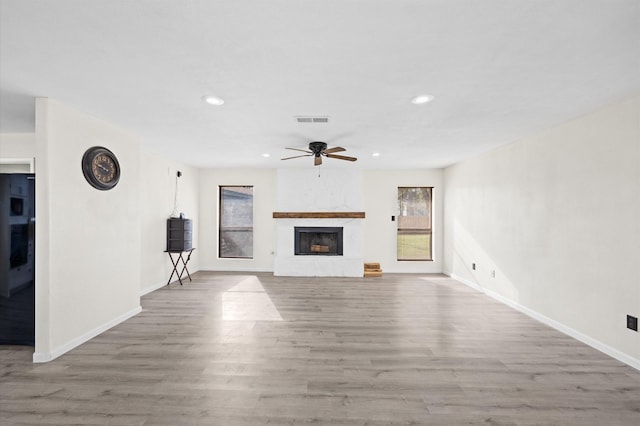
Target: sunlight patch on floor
point(248, 301)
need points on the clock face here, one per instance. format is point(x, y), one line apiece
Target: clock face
point(100, 167)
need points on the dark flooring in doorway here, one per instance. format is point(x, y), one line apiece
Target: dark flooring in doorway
point(17, 318)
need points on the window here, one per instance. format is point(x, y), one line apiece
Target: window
point(235, 237)
point(414, 223)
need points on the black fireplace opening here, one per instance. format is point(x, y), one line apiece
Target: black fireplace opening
point(318, 241)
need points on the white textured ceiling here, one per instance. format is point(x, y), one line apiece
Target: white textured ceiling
point(499, 71)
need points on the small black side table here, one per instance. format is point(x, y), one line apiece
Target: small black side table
point(176, 263)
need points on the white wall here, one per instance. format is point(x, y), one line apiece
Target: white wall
point(87, 241)
point(264, 202)
point(17, 151)
point(380, 192)
point(17, 145)
point(158, 184)
point(381, 202)
point(557, 216)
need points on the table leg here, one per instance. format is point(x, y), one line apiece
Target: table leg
point(175, 267)
point(176, 264)
point(184, 268)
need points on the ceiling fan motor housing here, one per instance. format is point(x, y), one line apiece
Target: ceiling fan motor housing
point(317, 147)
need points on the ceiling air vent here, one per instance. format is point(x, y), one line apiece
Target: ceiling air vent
point(311, 119)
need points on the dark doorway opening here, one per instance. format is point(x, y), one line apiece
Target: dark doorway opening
point(17, 259)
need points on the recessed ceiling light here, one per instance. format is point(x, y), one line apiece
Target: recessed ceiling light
point(213, 100)
point(376, 154)
point(422, 99)
point(265, 155)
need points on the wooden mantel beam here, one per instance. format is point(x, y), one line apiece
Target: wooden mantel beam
point(318, 215)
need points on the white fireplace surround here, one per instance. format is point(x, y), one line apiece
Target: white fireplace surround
point(336, 190)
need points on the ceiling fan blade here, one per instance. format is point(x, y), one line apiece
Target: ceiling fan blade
point(301, 150)
point(297, 156)
point(342, 157)
point(332, 150)
point(317, 161)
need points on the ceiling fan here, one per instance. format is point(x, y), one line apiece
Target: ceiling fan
point(319, 150)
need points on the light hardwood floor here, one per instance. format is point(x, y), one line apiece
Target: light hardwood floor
point(253, 349)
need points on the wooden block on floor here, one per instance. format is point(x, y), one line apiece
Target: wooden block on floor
point(372, 269)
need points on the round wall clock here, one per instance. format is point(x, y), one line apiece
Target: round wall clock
point(101, 168)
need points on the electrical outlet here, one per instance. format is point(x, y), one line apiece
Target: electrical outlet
point(473, 266)
point(493, 273)
point(632, 323)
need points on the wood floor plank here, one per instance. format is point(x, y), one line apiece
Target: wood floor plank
point(251, 349)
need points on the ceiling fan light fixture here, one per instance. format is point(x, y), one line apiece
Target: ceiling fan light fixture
point(213, 100)
point(375, 154)
point(265, 155)
point(422, 99)
point(318, 149)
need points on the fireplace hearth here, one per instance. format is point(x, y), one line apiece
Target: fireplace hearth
point(317, 241)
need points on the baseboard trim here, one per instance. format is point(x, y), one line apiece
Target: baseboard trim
point(159, 285)
point(39, 357)
point(596, 344)
point(466, 282)
point(152, 288)
point(227, 269)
